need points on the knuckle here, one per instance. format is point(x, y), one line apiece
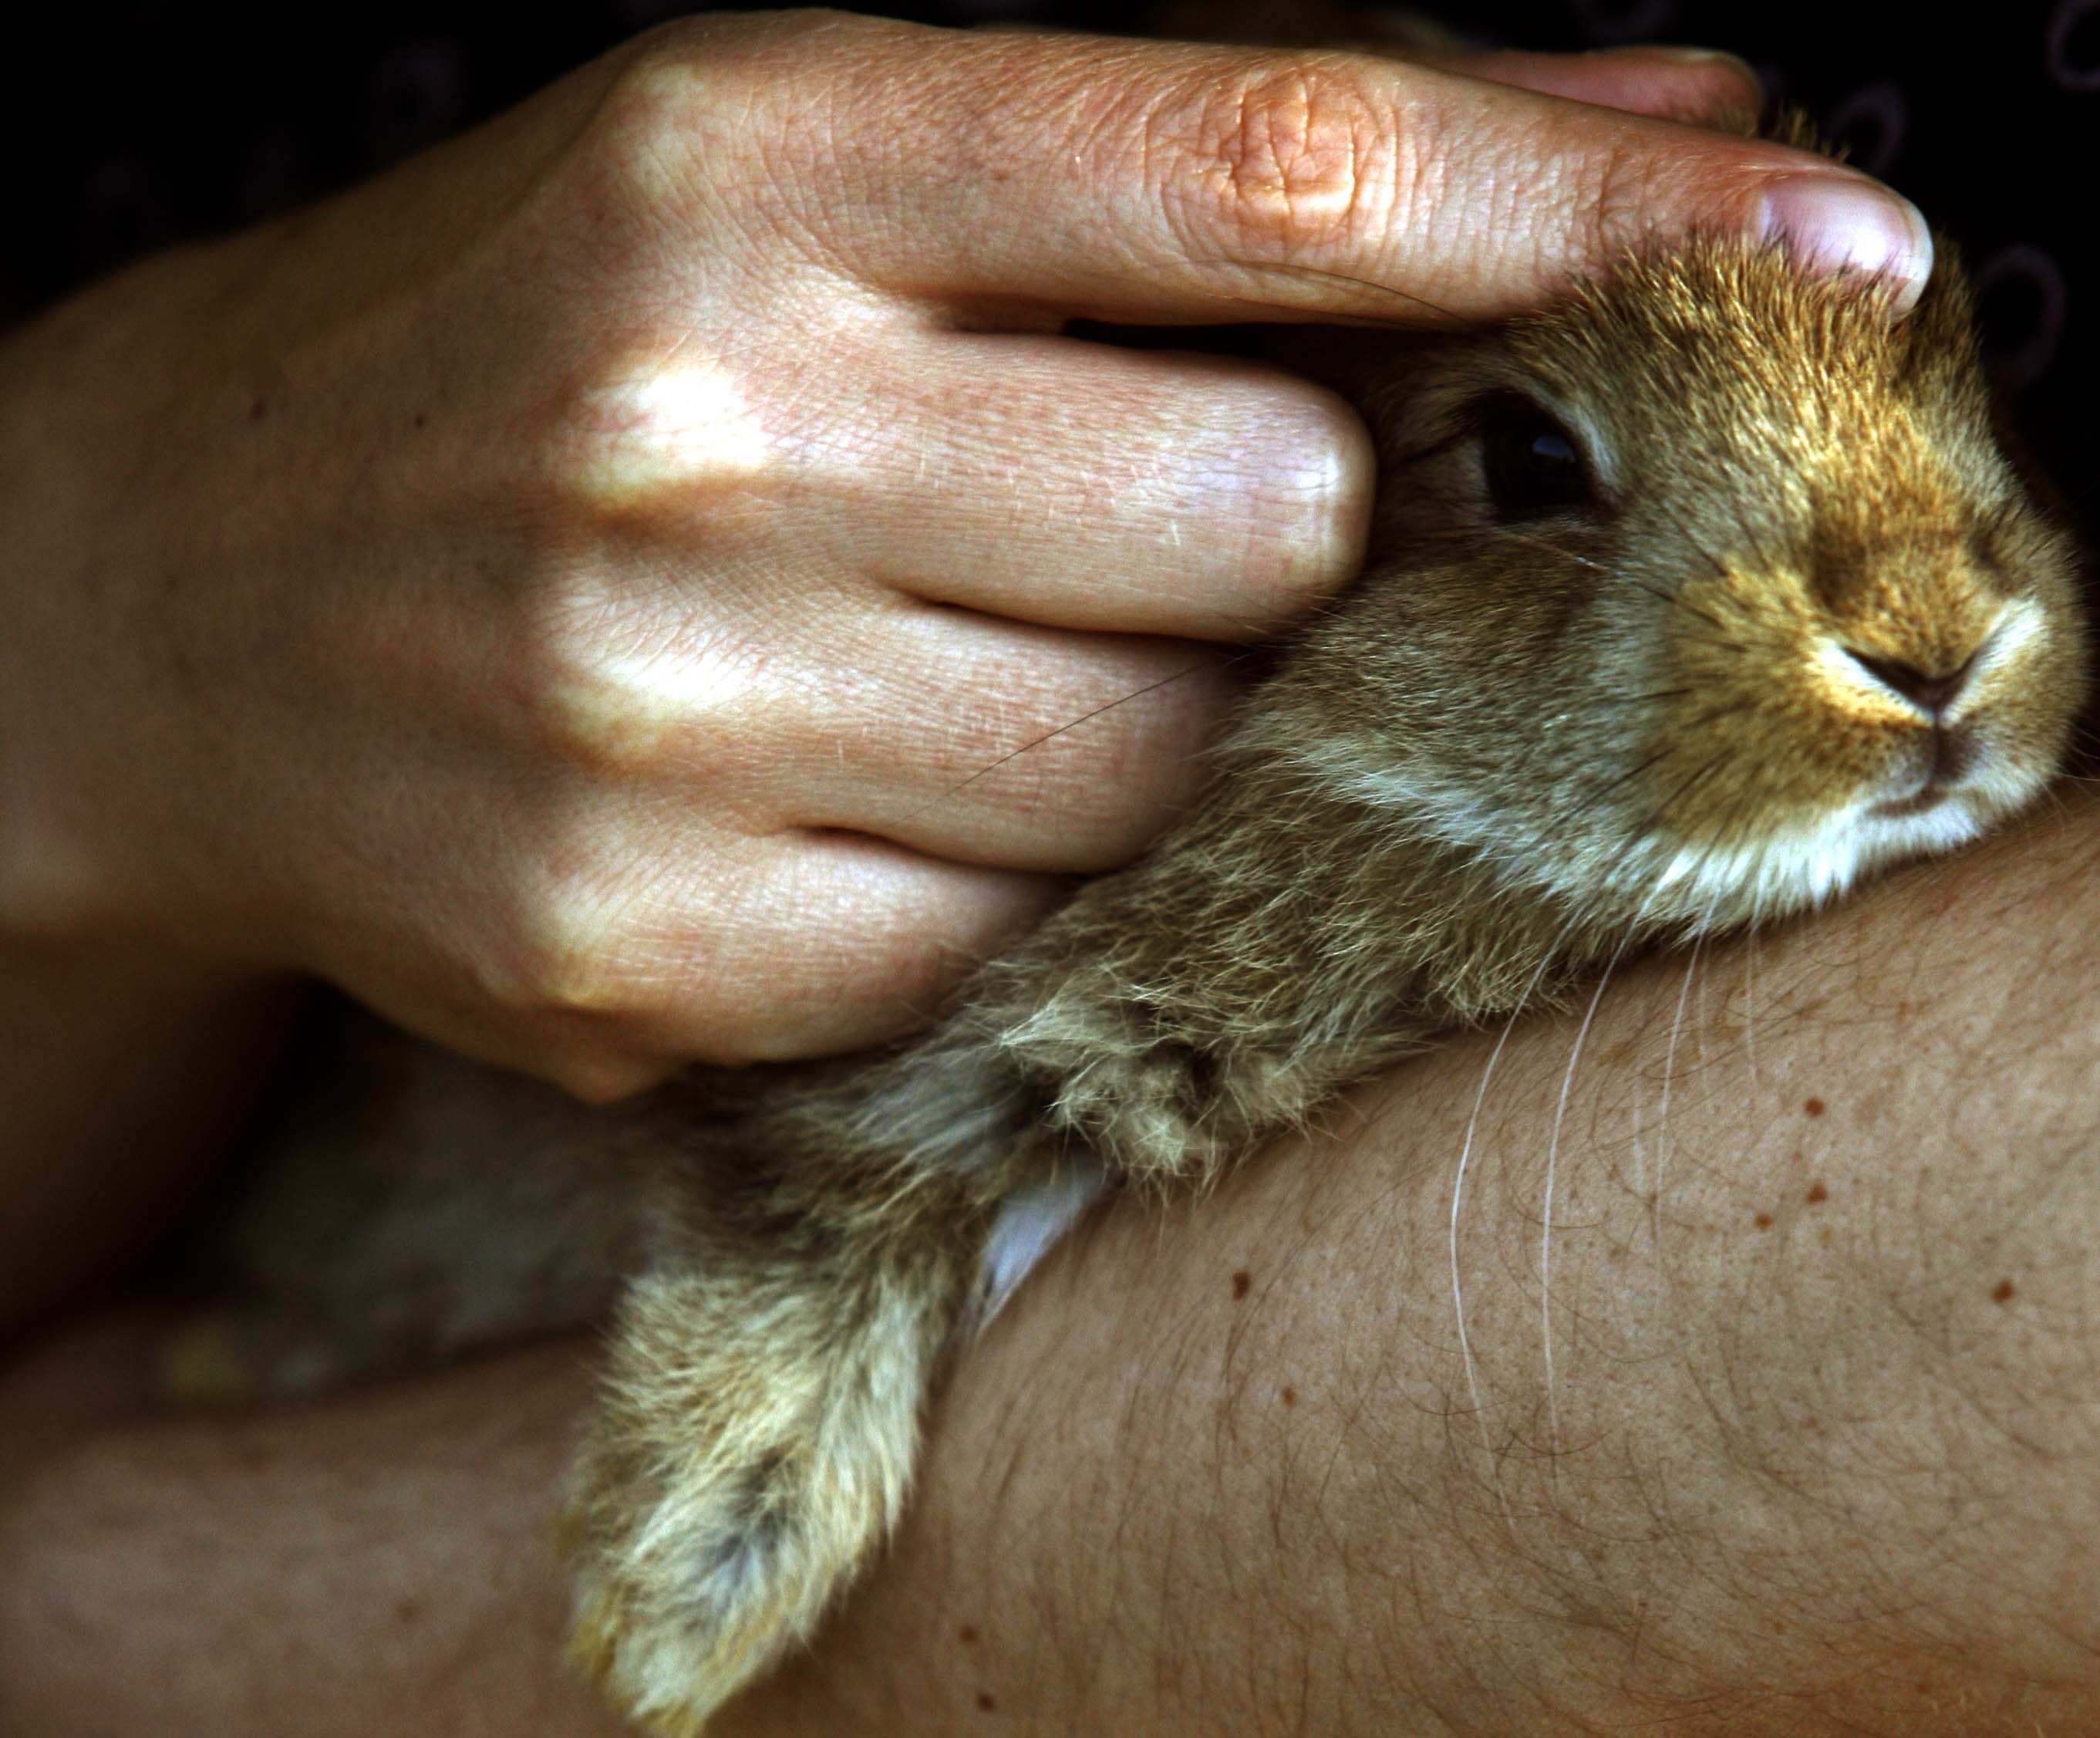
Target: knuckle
point(614, 688)
point(1291, 155)
point(684, 126)
point(1084, 766)
point(559, 962)
point(588, 946)
point(640, 150)
point(639, 438)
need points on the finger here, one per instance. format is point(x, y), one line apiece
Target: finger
point(997, 743)
point(1185, 183)
point(839, 943)
point(804, 945)
point(1697, 85)
point(1081, 486)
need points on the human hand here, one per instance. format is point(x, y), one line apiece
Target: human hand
point(649, 580)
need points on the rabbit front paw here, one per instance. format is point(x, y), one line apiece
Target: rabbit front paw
point(750, 1456)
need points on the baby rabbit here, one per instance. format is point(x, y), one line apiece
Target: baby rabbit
point(1688, 603)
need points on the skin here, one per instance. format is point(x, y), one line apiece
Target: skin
point(1818, 1451)
point(625, 588)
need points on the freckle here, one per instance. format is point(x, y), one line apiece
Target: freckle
point(407, 1611)
point(1289, 1396)
point(1817, 1194)
point(986, 1701)
point(2002, 1293)
point(968, 1635)
point(422, 419)
point(1764, 1222)
point(1814, 1107)
point(255, 410)
point(1242, 1281)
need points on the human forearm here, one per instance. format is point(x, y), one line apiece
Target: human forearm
point(1818, 1475)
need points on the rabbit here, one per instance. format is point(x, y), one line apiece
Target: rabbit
point(1689, 602)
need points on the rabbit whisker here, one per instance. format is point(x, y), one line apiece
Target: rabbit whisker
point(1051, 735)
point(1548, 543)
point(1642, 700)
point(1750, 1009)
point(1457, 1196)
point(1327, 275)
point(1668, 1075)
point(1675, 598)
point(1552, 1162)
point(1599, 792)
point(1663, 808)
point(1707, 556)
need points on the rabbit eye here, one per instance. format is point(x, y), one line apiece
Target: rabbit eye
point(1534, 468)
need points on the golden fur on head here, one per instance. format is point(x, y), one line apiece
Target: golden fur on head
point(1804, 619)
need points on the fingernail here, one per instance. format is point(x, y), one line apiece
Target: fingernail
point(1838, 223)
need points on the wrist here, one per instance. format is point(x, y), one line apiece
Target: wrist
point(85, 725)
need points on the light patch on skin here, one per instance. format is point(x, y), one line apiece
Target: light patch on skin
point(661, 431)
point(627, 709)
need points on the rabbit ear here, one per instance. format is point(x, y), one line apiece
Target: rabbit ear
point(760, 1421)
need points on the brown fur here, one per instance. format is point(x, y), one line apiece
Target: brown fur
point(1509, 751)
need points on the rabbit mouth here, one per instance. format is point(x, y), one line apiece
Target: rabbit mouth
point(1944, 761)
point(1929, 796)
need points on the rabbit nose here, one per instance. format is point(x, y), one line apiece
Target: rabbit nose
point(1931, 692)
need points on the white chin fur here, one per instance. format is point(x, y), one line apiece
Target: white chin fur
point(1802, 868)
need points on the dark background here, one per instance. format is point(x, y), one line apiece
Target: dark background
point(136, 126)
